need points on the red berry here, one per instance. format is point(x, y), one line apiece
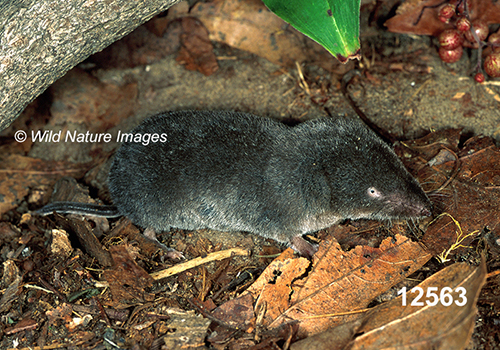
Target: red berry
point(450, 56)
point(494, 40)
point(450, 39)
point(479, 77)
point(463, 24)
point(480, 28)
point(492, 64)
point(447, 11)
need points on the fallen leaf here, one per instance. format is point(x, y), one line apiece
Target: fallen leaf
point(250, 26)
point(337, 282)
point(273, 286)
point(462, 183)
point(126, 279)
point(196, 51)
point(237, 313)
point(393, 325)
point(332, 339)
point(8, 233)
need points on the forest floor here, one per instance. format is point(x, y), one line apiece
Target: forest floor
point(60, 292)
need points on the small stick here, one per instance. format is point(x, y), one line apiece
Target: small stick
point(223, 254)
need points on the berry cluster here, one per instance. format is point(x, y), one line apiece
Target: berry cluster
point(468, 34)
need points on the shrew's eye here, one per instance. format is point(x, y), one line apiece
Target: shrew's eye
point(374, 193)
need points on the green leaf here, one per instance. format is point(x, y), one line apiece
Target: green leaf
point(332, 23)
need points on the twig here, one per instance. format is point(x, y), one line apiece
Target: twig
point(223, 254)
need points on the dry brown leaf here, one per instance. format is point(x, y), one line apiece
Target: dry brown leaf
point(332, 339)
point(338, 282)
point(272, 288)
point(8, 234)
point(80, 98)
point(480, 162)
point(196, 51)
point(392, 325)
point(250, 26)
point(469, 210)
point(429, 145)
point(467, 185)
point(395, 326)
point(237, 313)
point(406, 19)
point(126, 279)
